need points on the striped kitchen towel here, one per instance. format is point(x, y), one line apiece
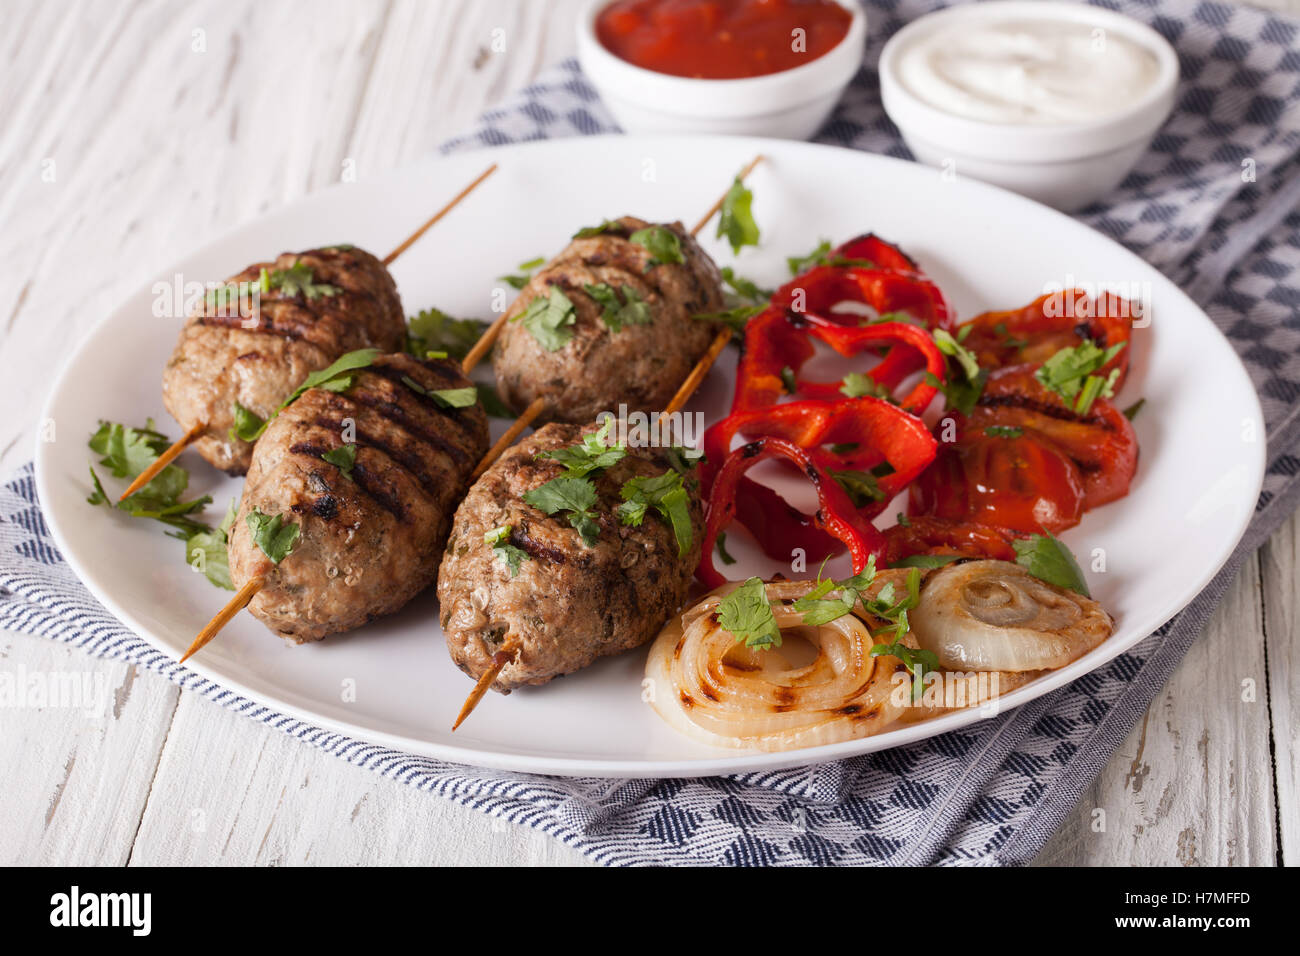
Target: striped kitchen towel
point(1212, 204)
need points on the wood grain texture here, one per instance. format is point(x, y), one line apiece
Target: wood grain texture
point(136, 131)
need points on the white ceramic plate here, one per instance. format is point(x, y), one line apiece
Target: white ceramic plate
point(1201, 431)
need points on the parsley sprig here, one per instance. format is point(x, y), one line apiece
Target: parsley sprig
point(274, 536)
point(667, 495)
point(617, 312)
point(550, 319)
point(1069, 373)
point(432, 330)
point(662, 243)
point(746, 613)
point(509, 555)
point(736, 217)
point(296, 280)
point(965, 379)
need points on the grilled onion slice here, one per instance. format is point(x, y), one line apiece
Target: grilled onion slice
point(996, 616)
point(712, 688)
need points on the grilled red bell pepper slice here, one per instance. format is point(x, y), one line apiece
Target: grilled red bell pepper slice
point(821, 289)
point(883, 255)
point(778, 341)
point(882, 432)
point(923, 534)
point(1102, 443)
point(835, 515)
point(1023, 483)
point(1058, 320)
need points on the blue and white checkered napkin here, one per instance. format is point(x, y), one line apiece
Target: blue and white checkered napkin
point(991, 793)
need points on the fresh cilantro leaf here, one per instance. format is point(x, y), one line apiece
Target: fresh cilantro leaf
point(818, 256)
point(128, 451)
point(788, 381)
point(745, 288)
point(961, 394)
point(590, 454)
point(860, 486)
point(856, 385)
point(1003, 431)
point(903, 520)
point(631, 309)
point(1132, 411)
point(747, 614)
point(342, 458)
point(586, 232)
point(337, 377)
point(527, 269)
point(1069, 373)
point(737, 318)
point(662, 243)
point(445, 397)
point(884, 606)
point(682, 459)
point(207, 552)
point(818, 609)
point(273, 535)
point(844, 447)
point(721, 545)
point(506, 553)
point(550, 319)
point(574, 495)
point(492, 403)
point(1046, 558)
point(248, 425)
point(736, 220)
point(296, 280)
point(168, 511)
point(667, 495)
point(927, 560)
point(951, 347)
point(432, 330)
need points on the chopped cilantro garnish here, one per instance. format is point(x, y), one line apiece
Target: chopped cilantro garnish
point(747, 614)
point(1003, 431)
point(342, 458)
point(434, 330)
point(667, 495)
point(736, 220)
point(1069, 373)
point(550, 319)
point(505, 552)
point(577, 496)
point(296, 280)
point(662, 243)
point(860, 486)
point(1046, 558)
point(617, 312)
point(273, 535)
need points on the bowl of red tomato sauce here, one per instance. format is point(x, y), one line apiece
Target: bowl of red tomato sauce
point(741, 67)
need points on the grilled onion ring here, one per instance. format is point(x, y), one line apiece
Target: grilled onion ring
point(996, 616)
point(712, 688)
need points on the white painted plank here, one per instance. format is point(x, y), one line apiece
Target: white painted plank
point(1280, 559)
point(1193, 783)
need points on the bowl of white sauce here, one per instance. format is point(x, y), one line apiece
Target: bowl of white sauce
point(1053, 100)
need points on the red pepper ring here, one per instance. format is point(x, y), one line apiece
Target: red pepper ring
point(835, 513)
point(821, 289)
point(850, 340)
point(884, 255)
point(882, 431)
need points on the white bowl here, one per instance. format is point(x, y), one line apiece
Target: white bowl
point(792, 104)
point(1067, 166)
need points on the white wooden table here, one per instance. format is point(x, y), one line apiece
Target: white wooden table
point(160, 123)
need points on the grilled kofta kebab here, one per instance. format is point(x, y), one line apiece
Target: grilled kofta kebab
point(534, 595)
point(368, 475)
point(314, 307)
point(609, 321)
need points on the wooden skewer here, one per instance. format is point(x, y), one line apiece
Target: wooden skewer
point(688, 387)
point(233, 607)
point(162, 461)
point(189, 437)
point(483, 345)
point(508, 438)
point(433, 220)
point(499, 660)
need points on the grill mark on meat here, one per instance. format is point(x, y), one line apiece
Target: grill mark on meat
point(395, 374)
point(402, 459)
point(363, 479)
point(395, 415)
point(537, 550)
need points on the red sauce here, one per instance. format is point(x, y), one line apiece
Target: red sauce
point(721, 39)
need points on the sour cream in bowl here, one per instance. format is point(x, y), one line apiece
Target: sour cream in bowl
point(1053, 100)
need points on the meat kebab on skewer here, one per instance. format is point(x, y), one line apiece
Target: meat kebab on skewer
point(313, 307)
point(354, 483)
